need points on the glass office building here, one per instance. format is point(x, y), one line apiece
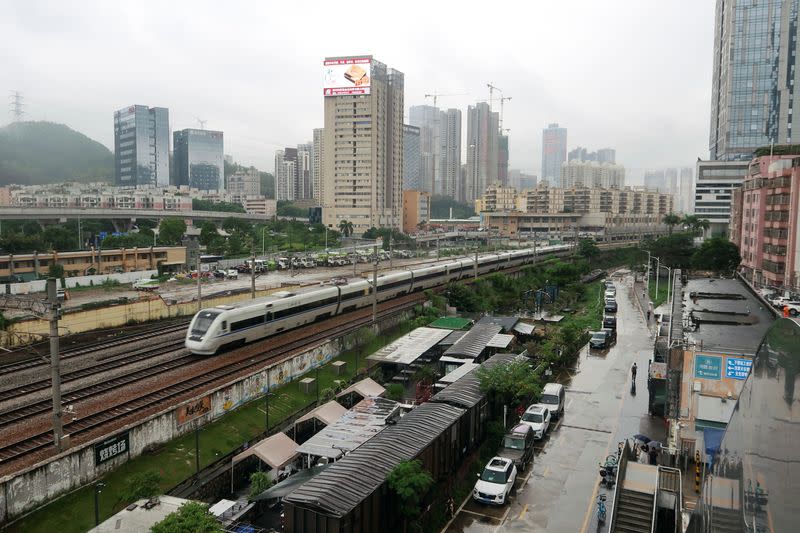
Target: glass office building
point(141, 146)
point(754, 76)
point(754, 480)
point(198, 159)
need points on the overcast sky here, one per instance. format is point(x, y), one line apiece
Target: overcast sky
point(633, 75)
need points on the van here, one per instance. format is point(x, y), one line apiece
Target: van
point(553, 399)
point(517, 445)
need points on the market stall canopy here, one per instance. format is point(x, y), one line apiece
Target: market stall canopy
point(366, 387)
point(277, 451)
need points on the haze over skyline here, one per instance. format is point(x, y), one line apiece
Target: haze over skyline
point(630, 75)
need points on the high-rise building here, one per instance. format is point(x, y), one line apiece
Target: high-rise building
point(244, 183)
point(432, 123)
point(606, 155)
point(602, 155)
point(578, 173)
point(416, 210)
point(482, 149)
point(199, 159)
point(527, 181)
point(317, 165)
point(671, 180)
point(363, 142)
point(754, 76)
point(304, 179)
point(502, 159)
point(452, 154)
point(686, 204)
point(655, 179)
point(141, 146)
point(554, 153)
point(286, 174)
point(411, 158)
point(714, 186)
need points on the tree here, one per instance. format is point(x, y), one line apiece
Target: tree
point(674, 250)
point(703, 225)
point(513, 383)
point(171, 230)
point(259, 482)
point(689, 222)
point(209, 205)
point(717, 254)
point(237, 225)
point(671, 220)
point(395, 391)
point(55, 271)
point(441, 205)
point(60, 238)
point(287, 208)
point(141, 485)
point(190, 517)
point(346, 228)
point(411, 483)
point(587, 248)
point(208, 232)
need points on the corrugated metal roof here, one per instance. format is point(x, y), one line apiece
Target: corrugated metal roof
point(451, 322)
point(501, 340)
point(452, 338)
point(505, 322)
point(346, 483)
point(410, 346)
point(474, 342)
point(466, 391)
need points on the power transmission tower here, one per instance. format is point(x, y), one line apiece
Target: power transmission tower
point(201, 122)
point(16, 105)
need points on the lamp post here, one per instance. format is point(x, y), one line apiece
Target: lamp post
point(98, 488)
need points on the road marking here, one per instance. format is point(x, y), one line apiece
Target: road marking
point(569, 403)
point(478, 514)
point(524, 510)
point(589, 429)
point(544, 474)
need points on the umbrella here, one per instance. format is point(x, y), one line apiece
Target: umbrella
point(642, 438)
point(654, 445)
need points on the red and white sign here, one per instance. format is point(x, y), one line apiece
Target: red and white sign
point(349, 75)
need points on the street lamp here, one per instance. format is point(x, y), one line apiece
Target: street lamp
point(98, 488)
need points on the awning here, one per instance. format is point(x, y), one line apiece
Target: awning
point(500, 340)
point(712, 439)
point(523, 328)
point(366, 387)
point(277, 451)
point(458, 373)
point(459, 360)
point(219, 508)
point(327, 413)
point(410, 346)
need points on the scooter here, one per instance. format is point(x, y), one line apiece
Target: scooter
point(608, 471)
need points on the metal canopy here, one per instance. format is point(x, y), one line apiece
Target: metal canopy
point(410, 346)
point(474, 342)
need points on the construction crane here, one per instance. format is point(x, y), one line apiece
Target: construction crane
point(503, 99)
point(492, 88)
point(436, 96)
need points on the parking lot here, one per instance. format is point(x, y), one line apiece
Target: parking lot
point(558, 491)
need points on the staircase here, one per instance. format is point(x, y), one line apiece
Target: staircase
point(634, 512)
point(726, 521)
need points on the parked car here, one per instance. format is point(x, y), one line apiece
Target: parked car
point(146, 284)
point(495, 482)
point(600, 340)
point(612, 335)
point(610, 322)
point(610, 306)
point(538, 418)
point(518, 446)
point(609, 284)
point(553, 397)
point(794, 307)
point(232, 274)
point(610, 293)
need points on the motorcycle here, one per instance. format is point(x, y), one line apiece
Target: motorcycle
point(608, 471)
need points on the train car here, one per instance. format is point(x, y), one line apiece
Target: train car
point(232, 325)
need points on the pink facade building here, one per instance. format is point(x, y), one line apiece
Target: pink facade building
point(764, 221)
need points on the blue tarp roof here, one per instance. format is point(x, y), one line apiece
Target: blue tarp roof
point(713, 439)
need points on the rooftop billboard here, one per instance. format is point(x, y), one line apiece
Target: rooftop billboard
point(344, 76)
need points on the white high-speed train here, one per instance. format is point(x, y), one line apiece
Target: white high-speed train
point(226, 326)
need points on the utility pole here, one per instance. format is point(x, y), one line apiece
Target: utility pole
point(54, 313)
point(355, 259)
point(658, 273)
point(390, 253)
point(647, 283)
point(98, 488)
point(199, 286)
point(476, 258)
point(80, 239)
point(253, 275)
point(375, 288)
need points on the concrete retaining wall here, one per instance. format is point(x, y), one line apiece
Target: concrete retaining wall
point(25, 491)
point(84, 281)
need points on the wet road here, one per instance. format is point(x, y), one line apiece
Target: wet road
point(558, 493)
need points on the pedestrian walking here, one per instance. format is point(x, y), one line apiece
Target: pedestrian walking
point(633, 372)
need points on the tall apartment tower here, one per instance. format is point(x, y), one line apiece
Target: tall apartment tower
point(431, 122)
point(317, 165)
point(303, 179)
point(451, 175)
point(482, 150)
point(412, 163)
point(286, 174)
point(502, 159)
point(363, 139)
point(199, 160)
point(554, 153)
point(141, 147)
point(754, 76)
point(686, 204)
point(671, 181)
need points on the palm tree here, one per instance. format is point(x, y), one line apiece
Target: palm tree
point(703, 224)
point(671, 220)
point(690, 222)
point(346, 227)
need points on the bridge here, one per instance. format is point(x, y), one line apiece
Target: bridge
point(122, 218)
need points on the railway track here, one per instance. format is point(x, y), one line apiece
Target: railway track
point(41, 360)
point(251, 357)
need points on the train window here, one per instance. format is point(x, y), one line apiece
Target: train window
point(224, 325)
point(203, 322)
point(269, 316)
point(247, 323)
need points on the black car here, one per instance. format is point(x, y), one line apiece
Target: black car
point(611, 306)
point(600, 340)
point(610, 322)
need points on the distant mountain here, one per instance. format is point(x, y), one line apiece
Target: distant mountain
point(45, 152)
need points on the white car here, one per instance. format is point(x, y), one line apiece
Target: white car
point(610, 293)
point(793, 305)
point(538, 418)
point(495, 482)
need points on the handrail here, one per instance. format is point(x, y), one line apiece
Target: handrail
point(622, 467)
point(655, 500)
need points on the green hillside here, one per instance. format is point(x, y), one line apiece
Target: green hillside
point(45, 152)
